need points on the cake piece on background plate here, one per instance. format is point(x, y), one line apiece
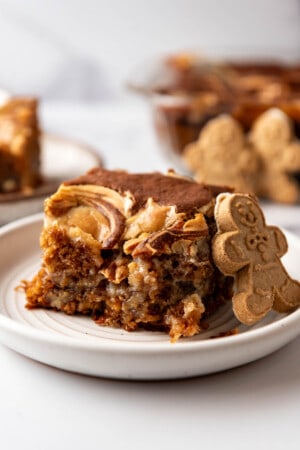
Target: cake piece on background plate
point(19, 144)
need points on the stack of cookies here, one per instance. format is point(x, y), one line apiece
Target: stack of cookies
point(265, 160)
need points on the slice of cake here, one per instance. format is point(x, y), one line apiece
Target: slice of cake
point(132, 251)
point(19, 145)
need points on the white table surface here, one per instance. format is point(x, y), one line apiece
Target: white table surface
point(254, 406)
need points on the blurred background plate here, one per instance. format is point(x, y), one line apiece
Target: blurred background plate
point(61, 159)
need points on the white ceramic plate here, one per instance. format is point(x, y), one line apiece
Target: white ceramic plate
point(286, 216)
point(77, 344)
point(61, 159)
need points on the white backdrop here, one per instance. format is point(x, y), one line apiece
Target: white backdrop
point(85, 49)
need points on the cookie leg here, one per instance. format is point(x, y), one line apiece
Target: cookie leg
point(249, 308)
point(287, 296)
point(253, 298)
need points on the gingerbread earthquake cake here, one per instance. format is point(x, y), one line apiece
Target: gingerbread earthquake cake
point(132, 251)
point(19, 145)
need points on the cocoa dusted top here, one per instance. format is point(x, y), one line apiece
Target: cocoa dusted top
point(185, 194)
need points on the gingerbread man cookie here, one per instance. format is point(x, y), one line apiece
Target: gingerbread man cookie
point(248, 249)
point(221, 155)
point(274, 142)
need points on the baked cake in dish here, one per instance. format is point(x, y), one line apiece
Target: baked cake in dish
point(132, 251)
point(188, 90)
point(19, 145)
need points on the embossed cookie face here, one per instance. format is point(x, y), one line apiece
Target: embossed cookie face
point(249, 219)
point(245, 212)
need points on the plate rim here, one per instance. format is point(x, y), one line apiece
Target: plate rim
point(135, 347)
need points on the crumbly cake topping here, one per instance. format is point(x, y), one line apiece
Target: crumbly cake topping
point(114, 208)
point(169, 189)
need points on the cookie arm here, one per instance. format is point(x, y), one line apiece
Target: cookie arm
point(229, 252)
point(192, 156)
point(280, 241)
point(291, 157)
